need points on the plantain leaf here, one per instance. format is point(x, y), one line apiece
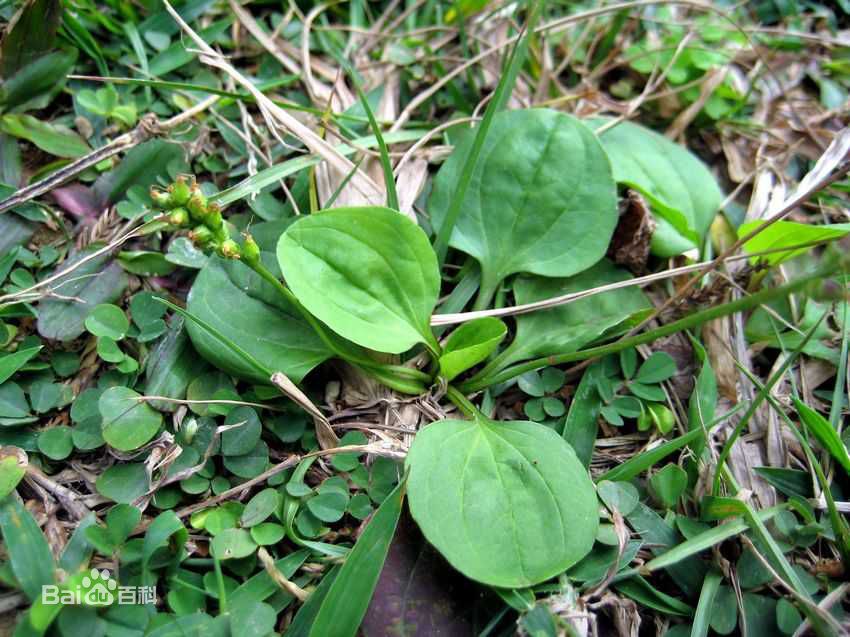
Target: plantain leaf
point(230, 297)
point(368, 273)
point(568, 328)
point(541, 200)
point(470, 344)
point(97, 281)
point(681, 190)
point(507, 503)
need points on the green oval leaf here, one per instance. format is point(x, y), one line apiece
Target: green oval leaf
point(233, 544)
point(510, 489)
point(470, 344)
point(681, 190)
point(369, 273)
point(568, 328)
point(109, 321)
point(542, 198)
point(128, 423)
point(231, 298)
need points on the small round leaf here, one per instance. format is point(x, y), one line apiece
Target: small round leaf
point(108, 320)
point(128, 423)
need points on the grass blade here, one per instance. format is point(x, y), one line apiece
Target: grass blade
point(30, 557)
point(825, 434)
point(386, 164)
point(500, 96)
point(702, 617)
point(348, 597)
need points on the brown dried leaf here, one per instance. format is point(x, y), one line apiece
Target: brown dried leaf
point(631, 241)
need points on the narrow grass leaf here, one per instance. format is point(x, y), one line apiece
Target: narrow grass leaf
point(346, 602)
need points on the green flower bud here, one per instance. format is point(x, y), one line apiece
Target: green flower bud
point(179, 217)
point(180, 191)
point(160, 198)
point(213, 220)
point(229, 249)
point(201, 236)
point(197, 206)
point(250, 251)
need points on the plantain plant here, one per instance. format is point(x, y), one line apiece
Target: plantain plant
point(362, 284)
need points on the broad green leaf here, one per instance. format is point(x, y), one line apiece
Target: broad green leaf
point(788, 618)
point(34, 85)
point(96, 281)
point(28, 552)
point(254, 619)
point(13, 466)
point(568, 328)
point(145, 262)
point(260, 507)
point(541, 199)
point(166, 530)
point(345, 603)
point(470, 344)
point(724, 614)
point(128, 422)
point(171, 365)
point(681, 190)
point(783, 234)
point(368, 273)
point(268, 533)
point(140, 167)
point(515, 490)
point(55, 140)
point(622, 496)
point(245, 433)
point(233, 299)
point(56, 443)
point(823, 431)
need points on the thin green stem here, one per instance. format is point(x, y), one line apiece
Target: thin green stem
point(503, 90)
point(222, 590)
point(462, 402)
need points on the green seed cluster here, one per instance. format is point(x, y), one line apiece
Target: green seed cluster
point(187, 207)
